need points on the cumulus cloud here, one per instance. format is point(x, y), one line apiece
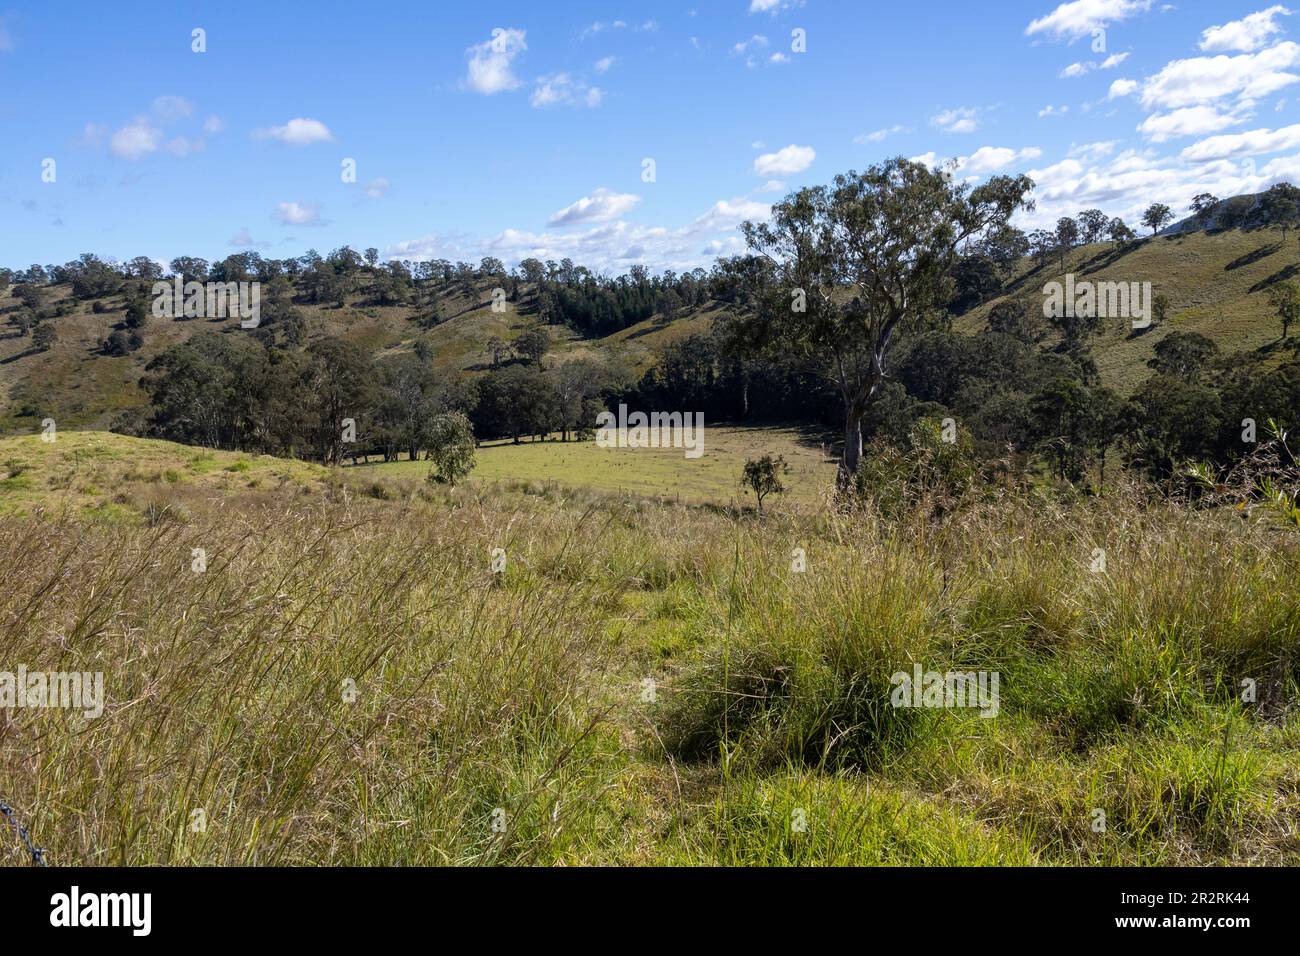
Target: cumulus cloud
point(601, 206)
point(1189, 121)
point(786, 161)
point(1050, 110)
point(986, 159)
point(298, 214)
point(136, 140)
point(1204, 79)
point(1070, 21)
point(1247, 34)
point(1254, 142)
point(1122, 88)
point(298, 132)
point(490, 62)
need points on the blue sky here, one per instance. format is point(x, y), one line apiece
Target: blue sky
point(531, 140)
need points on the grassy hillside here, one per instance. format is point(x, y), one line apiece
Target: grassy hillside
point(349, 682)
point(1216, 284)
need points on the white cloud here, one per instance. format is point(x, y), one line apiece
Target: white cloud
point(1076, 69)
point(785, 162)
point(605, 247)
point(1247, 34)
point(136, 140)
point(1122, 88)
point(600, 27)
point(298, 214)
point(604, 63)
point(1070, 21)
point(986, 159)
point(755, 42)
point(1114, 60)
point(298, 132)
point(377, 188)
point(779, 58)
point(960, 120)
point(561, 89)
point(772, 6)
point(1050, 110)
point(213, 125)
point(771, 186)
point(1205, 79)
point(490, 62)
point(1251, 143)
point(1189, 121)
point(601, 206)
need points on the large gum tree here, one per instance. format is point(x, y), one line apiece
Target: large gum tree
point(838, 269)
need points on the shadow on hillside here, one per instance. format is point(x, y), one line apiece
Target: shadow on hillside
point(662, 323)
point(18, 355)
point(1106, 259)
point(1282, 275)
point(1263, 252)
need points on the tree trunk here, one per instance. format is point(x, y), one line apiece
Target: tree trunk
point(852, 446)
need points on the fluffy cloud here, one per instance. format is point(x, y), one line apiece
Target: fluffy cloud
point(1124, 185)
point(298, 214)
point(785, 162)
point(136, 140)
point(1206, 79)
point(1251, 143)
point(1189, 121)
point(986, 159)
point(561, 89)
point(1070, 21)
point(601, 206)
point(1122, 88)
point(1247, 34)
point(604, 63)
point(1050, 110)
point(298, 132)
point(490, 62)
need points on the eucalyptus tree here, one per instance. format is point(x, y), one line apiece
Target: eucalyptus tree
point(839, 269)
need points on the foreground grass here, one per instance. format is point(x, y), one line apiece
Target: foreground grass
point(348, 681)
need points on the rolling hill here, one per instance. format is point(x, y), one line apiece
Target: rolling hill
point(1215, 283)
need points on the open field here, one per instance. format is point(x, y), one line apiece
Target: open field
point(666, 473)
point(644, 683)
